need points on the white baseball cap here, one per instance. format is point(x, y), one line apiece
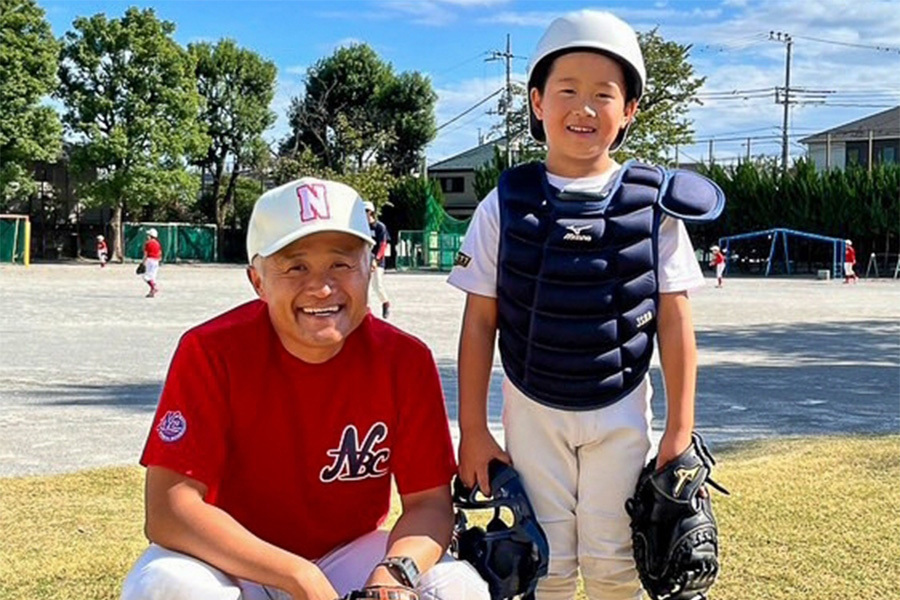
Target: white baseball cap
point(152, 232)
point(369, 206)
point(303, 207)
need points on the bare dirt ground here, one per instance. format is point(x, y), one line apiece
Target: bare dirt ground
point(83, 355)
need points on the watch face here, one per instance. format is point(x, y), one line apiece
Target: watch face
point(404, 569)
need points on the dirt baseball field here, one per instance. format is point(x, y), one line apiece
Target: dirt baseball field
point(83, 355)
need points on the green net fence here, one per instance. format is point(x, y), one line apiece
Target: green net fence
point(179, 241)
point(437, 219)
point(12, 239)
point(435, 247)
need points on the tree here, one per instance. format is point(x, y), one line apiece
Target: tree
point(355, 112)
point(661, 122)
point(129, 91)
point(28, 63)
point(237, 87)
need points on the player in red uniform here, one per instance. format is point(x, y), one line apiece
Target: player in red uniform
point(718, 261)
point(151, 260)
point(102, 251)
point(282, 422)
point(849, 262)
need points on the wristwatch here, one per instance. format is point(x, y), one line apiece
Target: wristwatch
point(403, 569)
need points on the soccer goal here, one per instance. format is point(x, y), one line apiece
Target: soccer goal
point(15, 239)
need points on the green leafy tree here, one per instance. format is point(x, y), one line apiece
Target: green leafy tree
point(129, 91)
point(237, 87)
point(662, 121)
point(28, 63)
point(356, 112)
point(488, 174)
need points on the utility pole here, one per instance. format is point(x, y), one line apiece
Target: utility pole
point(506, 108)
point(788, 41)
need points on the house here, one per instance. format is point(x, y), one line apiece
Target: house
point(874, 139)
point(456, 176)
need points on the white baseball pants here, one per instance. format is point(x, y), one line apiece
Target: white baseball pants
point(161, 574)
point(578, 468)
point(152, 266)
point(377, 283)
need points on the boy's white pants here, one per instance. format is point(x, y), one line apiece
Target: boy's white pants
point(377, 284)
point(578, 468)
point(848, 269)
point(152, 268)
point(161, 574)
point(720, 269)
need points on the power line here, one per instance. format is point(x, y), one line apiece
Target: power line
point(460, 64)
point(468, 110)
point(890, 49)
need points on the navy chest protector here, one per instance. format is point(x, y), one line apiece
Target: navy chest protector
point(577, 286)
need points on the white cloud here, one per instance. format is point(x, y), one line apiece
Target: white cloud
point(296, 70)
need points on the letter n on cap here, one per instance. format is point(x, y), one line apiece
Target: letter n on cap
point(313, 202)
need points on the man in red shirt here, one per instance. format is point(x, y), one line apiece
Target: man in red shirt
point(151, 260)
point(282, 422)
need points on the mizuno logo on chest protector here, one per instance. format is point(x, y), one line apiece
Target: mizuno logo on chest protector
point(575, 234)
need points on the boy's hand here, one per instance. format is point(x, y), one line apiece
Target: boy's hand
point(476, 449)
point(672, 443)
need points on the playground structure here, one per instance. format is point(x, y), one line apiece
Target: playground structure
point(776, 235)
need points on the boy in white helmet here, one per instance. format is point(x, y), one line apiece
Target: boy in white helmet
point(577, 263)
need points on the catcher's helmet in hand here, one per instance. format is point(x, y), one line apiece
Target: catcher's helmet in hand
point(510, 558)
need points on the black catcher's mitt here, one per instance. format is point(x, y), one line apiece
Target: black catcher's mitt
point(676, 541)
point(141, 269)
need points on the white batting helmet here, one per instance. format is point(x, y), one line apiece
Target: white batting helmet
point(593, 31)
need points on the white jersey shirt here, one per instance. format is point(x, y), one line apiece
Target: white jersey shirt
point(678, 267)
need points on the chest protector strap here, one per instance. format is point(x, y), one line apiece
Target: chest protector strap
point(577, 286)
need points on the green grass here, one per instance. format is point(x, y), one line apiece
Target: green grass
point(815, 519)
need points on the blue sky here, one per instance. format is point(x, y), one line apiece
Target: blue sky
point(849, 48)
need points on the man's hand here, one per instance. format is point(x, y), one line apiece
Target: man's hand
point(310, 583)
point(476, 449)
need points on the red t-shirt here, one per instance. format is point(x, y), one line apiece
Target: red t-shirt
point(718, 258)
point(153, 249)
point(101, 248)
point(850, 255)
point(302, 454)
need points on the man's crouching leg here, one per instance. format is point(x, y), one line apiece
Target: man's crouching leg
point(349, 566)
point(161, 574)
